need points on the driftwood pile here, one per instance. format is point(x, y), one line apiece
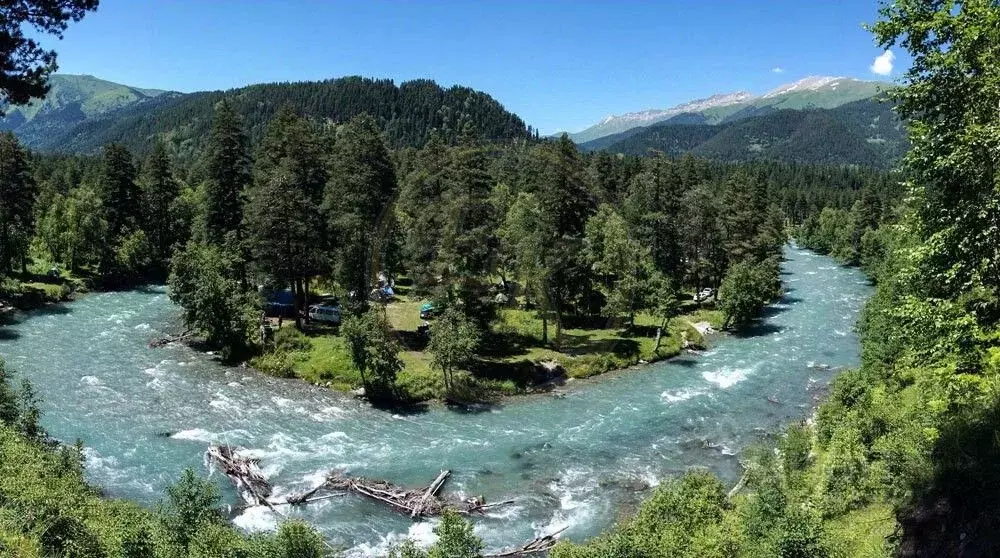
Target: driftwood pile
point(243, 471)
point(246, 476)
point(415, 503)
point(254, 488)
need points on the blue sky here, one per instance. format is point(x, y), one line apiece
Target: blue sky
point(560, 65)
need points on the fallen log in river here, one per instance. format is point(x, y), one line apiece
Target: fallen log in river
point(254, 488)
point(246, 476)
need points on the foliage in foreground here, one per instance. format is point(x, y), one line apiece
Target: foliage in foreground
point(47, 509)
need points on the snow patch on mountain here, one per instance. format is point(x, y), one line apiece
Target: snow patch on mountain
point(720, 100)
point(811, 83)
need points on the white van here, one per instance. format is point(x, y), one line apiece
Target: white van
point(325, 314)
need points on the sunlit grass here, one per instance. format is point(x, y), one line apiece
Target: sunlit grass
point(510, 352)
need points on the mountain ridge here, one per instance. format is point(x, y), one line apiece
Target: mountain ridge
point(808, 92)
point(74, 99)
point(863, 132)
point(407, 112)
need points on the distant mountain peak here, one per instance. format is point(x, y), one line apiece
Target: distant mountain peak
point(717, 100)
point(808, 92)
point(809, 83)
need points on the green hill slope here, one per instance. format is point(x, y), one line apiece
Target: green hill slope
point(408, 113)
point(814, 92)
point(72, 100)
point(860, 133)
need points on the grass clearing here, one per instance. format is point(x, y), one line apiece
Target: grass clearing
point(510, 355)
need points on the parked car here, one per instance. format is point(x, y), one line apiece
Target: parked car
point(705, 294)
point(325, 314)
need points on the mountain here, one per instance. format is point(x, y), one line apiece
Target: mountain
point(864, 132)
point(616, 124)
point(72, 100)
point(408, 113)
point(814, 92)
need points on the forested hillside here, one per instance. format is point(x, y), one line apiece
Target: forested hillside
point(864, 133)
point(407, 113)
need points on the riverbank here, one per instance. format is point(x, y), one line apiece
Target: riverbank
point(513, 361)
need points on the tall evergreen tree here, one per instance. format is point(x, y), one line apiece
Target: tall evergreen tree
point(227, 166)
point(292, 142)
point(159, 190)
point(17, 198)
point(562, 190)
point(652, 207)
point(468, 237)
point(284, 231)
point(420, 210)
point(357, 203)
point(119, 192)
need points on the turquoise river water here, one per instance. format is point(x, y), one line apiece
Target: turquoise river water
point(580, 460)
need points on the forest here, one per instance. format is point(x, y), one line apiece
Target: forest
point(406, 112)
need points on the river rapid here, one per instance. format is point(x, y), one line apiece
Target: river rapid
point(581, 460)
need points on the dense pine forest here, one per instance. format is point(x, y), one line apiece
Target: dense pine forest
point(407, 113)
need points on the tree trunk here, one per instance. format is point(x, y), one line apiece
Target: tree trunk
point(559, 328)
point(545, 328)
point(660, 331)
point(297, 292)
point(306, 282)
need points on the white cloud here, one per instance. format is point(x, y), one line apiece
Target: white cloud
point(883, 63)
point(778, 70)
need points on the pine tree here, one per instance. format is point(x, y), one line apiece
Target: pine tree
point(18, 191)
point(564, 194)
point(357, 203)
point(284, 231)
point(159, 191)
point(227, 165)
point(119, 193)
point(420, 210)
point(467, 251)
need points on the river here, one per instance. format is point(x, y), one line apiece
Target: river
point(581, 460)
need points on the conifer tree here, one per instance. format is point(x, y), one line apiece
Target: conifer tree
point(227, 166)
point(357, 203)
point(18, 191)
point(159, 190)
point(119, 193)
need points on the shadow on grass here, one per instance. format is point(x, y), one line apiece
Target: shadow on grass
point(411, 340)
point(509, 344)
point(586, 344)
point(523, 373)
